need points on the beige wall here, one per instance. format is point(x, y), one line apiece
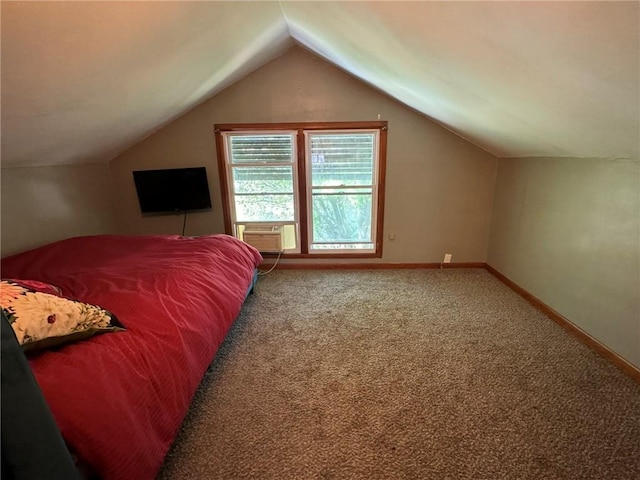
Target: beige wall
point(568, 231)
point(44, 204)
point(439, 187)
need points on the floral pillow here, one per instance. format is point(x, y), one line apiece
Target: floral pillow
point(42, 320)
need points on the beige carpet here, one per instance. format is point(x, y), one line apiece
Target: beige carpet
point(405, 374)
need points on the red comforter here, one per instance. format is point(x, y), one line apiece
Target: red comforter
point(119, 398)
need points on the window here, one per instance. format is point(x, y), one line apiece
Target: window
point(304, 189)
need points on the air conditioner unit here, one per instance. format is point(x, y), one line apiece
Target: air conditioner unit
point(265, 239)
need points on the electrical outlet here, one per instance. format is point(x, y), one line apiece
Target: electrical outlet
point(392, 236)
point(447, 258)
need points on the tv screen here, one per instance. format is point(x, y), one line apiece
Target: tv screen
point(172, 190)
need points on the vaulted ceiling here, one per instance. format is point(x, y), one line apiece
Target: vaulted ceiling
point(82, 81)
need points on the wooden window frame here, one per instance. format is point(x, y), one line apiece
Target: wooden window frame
point(300, 128)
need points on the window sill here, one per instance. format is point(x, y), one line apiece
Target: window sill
point(324, 255)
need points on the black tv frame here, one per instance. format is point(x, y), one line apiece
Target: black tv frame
point(172, 190)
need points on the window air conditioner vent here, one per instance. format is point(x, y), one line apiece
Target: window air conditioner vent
point(266, 239)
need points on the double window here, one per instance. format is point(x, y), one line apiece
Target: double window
point(319, 188)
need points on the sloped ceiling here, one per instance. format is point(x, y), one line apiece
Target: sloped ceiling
point(82, 81)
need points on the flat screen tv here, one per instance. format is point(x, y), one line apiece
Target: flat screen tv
point(172, 190)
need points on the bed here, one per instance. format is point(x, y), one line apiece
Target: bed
point(118, 398)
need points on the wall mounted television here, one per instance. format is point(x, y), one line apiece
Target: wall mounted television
point(172, 190)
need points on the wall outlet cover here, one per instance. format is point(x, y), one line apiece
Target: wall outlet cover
point(447, 257)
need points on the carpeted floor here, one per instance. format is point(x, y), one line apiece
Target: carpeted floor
point(405, 374)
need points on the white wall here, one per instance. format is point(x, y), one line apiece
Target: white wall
point(568, 231)
point(43, 204)
point(439, 187)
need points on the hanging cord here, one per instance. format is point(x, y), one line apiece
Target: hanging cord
point(184, 222)
point(273, 266)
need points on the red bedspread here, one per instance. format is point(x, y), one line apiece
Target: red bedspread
point(119, 398)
